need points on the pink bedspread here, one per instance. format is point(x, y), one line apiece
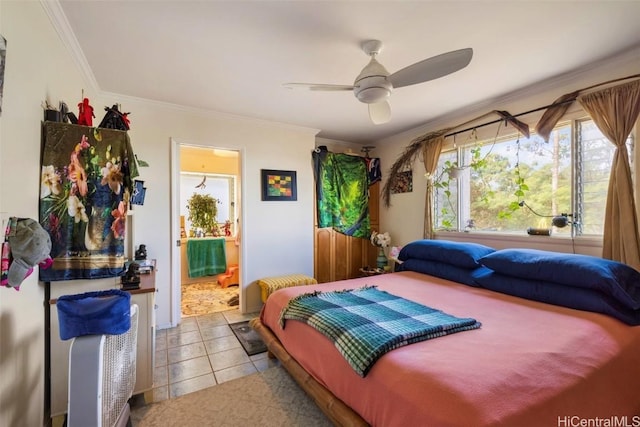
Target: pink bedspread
point(531, 364)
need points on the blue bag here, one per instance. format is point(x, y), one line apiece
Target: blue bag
point(94, 313)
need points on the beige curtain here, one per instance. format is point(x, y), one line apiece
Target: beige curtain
point(431, 154)
point(615, 111)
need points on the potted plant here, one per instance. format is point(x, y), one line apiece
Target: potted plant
point(203, 210)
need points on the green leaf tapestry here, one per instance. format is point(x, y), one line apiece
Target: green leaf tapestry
point(342, 193)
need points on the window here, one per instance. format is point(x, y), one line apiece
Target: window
point(446, 194)
point(221, 187)
point(508, 184)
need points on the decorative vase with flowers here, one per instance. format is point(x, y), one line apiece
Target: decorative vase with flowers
point(382, 241)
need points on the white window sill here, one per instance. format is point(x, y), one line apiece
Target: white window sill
point(587, 245)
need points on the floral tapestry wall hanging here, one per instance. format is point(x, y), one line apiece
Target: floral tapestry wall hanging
point(86, 180)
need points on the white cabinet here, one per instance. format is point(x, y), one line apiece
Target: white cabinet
point(145, 359)
point(59, 352)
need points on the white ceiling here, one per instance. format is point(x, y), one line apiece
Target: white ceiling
point(234, 56)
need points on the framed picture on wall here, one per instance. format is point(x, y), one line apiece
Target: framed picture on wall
point(403, 183)
point(278, 185)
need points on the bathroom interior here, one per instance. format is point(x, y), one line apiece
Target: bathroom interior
point(213, 286)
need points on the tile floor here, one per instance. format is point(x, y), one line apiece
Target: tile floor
point(202, 352)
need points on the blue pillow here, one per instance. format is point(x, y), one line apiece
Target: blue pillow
point(460, 254)
point(442, 270)
point(609, 277)
point(557, 294)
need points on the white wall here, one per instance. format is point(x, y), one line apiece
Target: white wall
point(38, 67)
point(404, 219)
point(277, 236)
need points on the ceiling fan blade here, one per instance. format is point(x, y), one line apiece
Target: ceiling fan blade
point(380, 112)
point(320, 87)
point(432, 68)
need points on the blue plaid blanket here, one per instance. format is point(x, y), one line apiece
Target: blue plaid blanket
point(366, 323)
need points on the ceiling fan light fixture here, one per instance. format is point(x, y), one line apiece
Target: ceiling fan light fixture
point(372, 89)
point(379, 112)
point(372, 85)
point(372, 95)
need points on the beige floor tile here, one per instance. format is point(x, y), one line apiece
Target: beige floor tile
point(183, 338)
point(160, 376)
point(234, 372)
point(193, 384)
point(212, 332)
point(228, 358)
point(186, 325)
point(236, 317)
point(161, 358)
point(208, 320)
point(181, 362)
point(161, 341)
point(258, 356)
point(185, 352)
point(188, 369)
point(266, 363)
point(222, 344)
point(161, 393)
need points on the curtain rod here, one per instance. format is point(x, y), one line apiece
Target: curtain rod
point(634, 76)
point(515, 115)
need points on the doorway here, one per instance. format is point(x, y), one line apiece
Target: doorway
point(206, 263)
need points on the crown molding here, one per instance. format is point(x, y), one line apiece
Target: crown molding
point(118, 98)
point(61, 25)
point(325, 141)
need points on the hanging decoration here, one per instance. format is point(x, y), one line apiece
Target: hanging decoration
point(85, 185)
point(406, 159)
point(403, 182)
point(342, 193)
point(139, 192)
point(114, 119)
point(85, 113)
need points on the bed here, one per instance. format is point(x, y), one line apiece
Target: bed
point(531, 363)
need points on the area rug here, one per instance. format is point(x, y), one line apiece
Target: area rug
point(249, 338)
point(268, 398)
point(206, 298)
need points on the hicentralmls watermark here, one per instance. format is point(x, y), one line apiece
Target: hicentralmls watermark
point(612, 421)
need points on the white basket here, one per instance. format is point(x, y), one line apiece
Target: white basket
point(102, 373)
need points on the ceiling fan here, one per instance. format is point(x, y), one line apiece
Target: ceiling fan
point(374, 83)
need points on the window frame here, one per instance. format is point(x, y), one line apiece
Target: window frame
point(186, 190)
point(574, 117)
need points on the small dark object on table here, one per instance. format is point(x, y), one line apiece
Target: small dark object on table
point(141, 253)
point(131, 279)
